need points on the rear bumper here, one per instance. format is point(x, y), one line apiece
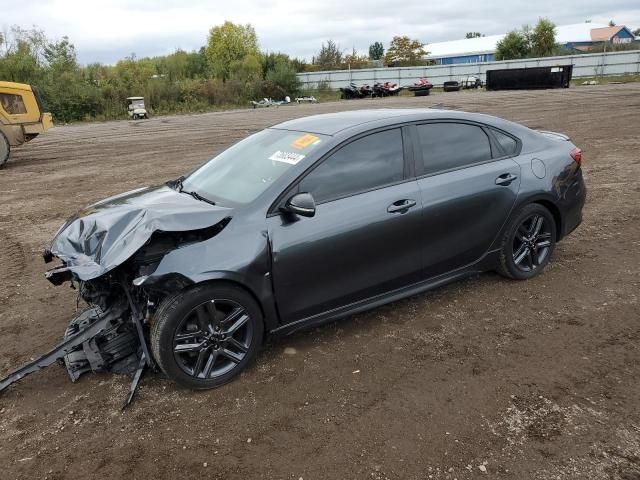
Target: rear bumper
point(575, 198)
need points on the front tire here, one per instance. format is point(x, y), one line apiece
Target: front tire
point(5, 149)
point(204, 337)
point(528, 242)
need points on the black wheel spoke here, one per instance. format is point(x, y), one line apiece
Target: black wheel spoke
point(532, 224)
point(202, 356)
point(234, 315)
point(520, 254)
point(543, 244)
point(187, 347)
point(530, 259)
point(208, 368)
point(241, 319)
point(537, 223)
point(237, 344)
point(188, 337)
point(231, 355)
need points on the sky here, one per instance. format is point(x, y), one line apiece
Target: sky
point(109, 30)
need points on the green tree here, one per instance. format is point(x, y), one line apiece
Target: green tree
point(61, 54)
point(249, 69)
point(543, 39)
point(376, 51)
point(299, 65)
point(271, 59)
point(329, 57)
point(514, 45)
point(282, 79)
point(636, 32)
point(229, 43)
point(23, 60)
point(405, 52)
point(473, 35)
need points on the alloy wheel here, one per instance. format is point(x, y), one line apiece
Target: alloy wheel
point(212, 339)
point(532, 243)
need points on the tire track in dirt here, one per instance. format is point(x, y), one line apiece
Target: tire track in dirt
point(12, 266)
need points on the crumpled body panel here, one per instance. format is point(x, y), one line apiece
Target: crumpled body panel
point(108, 233)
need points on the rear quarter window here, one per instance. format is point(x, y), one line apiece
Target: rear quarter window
point(508, 144)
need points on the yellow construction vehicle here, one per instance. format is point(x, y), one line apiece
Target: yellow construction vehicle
point(22, 116)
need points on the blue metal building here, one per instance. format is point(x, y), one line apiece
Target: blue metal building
point(578, 37)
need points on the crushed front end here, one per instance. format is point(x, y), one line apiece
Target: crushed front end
point(106, 253)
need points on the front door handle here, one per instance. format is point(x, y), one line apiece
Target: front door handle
point(505, 179)
point(401, 206)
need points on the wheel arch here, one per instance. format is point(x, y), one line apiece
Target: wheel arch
point(542, 200)
point(555, 212)
point(176, 283)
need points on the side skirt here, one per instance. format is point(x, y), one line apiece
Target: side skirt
point(486, 263)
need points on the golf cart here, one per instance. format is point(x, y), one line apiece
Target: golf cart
point(136, 108)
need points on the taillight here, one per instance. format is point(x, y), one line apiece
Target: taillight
point(576, 154)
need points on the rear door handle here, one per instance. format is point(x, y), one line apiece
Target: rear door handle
point(401, 206)
point(506, 179)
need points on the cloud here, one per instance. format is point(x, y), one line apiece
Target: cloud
point(107, 31)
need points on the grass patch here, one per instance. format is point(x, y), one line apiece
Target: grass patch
point(628, 78)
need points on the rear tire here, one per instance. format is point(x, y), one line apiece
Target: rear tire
point(5, 149)
point(527, 243)
point(204, 337)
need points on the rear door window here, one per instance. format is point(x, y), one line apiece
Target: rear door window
point(364, 164)
point(447, 146)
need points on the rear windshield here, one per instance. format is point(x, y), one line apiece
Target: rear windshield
point(242, 172)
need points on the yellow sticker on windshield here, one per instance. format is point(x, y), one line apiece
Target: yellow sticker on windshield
point(305, 140)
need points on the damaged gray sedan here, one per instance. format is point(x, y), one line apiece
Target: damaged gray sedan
point(302, 223)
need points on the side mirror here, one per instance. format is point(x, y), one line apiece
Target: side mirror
point(301, 204)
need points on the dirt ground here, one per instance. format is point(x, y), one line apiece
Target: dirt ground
point(486, 378)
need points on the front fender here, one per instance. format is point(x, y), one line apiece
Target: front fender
point(236, 255)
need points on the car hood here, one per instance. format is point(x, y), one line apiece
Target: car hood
point(106, 234)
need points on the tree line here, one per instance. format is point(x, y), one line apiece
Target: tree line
point(229, 70)
point(540, 41)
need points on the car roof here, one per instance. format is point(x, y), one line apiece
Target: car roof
point(333, 123)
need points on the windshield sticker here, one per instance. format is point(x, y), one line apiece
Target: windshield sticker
point(305, 141)
point(286, 157)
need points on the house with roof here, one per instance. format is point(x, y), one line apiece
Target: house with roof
point(578, 37)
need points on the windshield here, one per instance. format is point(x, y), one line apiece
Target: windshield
point(137, 103)
point(241, 173)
